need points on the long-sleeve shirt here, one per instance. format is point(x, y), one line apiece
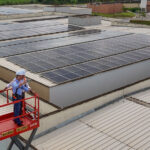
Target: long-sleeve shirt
point(17, 89)
point(10, 84)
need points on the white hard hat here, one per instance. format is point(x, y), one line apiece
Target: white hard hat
point(21, 72)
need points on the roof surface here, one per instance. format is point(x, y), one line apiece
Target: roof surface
point(122, 125)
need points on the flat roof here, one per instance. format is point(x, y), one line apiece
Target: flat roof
point(14, 11)
point(122, 125)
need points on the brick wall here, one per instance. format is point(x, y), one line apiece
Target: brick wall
point(148, 6)
point(106, 8)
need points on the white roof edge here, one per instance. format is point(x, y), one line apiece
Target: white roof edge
point(13, 67)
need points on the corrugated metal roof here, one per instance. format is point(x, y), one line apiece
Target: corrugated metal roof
point(144, 96)
point(123, 125)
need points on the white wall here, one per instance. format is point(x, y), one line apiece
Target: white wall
point(84, 21)
point(70, 10)
point(80, 90)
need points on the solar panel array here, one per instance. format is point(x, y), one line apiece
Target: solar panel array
point(13, 11)
point(53, 43)
point(77, 61)
point(15, 34)
point(48, 37)
point(31, 25)
point(83, 70)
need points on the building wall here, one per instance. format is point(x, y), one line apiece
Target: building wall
point(148, 6)
point(84, 21)
point(70, 10)
point(98, 84)
point(106, 8)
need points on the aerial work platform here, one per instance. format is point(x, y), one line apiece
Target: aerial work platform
point(29, 117)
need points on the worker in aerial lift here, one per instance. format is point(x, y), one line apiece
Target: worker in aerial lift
point(18, 87)
point(27, 85)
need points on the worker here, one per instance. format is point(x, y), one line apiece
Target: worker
point(24, 78)
point(27, 85)
point(18, 87)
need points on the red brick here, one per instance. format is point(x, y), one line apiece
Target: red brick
point(107, 8)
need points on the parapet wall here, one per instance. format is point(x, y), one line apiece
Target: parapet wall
point(84, 20)
point(7, 75)
point(106, 8)
point(70, 10)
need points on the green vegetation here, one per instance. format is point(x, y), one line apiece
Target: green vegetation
point(59, 2)
point(117, 15)
point(15, 2)
point(143, 14)
point(56, 2)
point(135, 10)
point(144, 22)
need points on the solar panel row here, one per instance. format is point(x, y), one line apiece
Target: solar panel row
point(53, 43)
point(82, 70)
point(77, 61)
point(75, 54)
point(48, 37)
point(87, 53)
point(14, 34)
point(31, 25)
point(12, 11)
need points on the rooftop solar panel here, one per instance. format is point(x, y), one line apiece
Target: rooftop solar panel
point(31, 25)
point(48, 37)
point(53, 43)
point(14, 11)
point(68, 63)
point(90, 68)
point(16, 34)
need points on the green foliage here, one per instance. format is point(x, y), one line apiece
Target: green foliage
point(15, 2)
point(54, 2)
point(136, 9)
point(144, 22)
point(143, 14)
point(116, 15)
point(59, 2)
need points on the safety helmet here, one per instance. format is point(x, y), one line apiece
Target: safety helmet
point(21, 72)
